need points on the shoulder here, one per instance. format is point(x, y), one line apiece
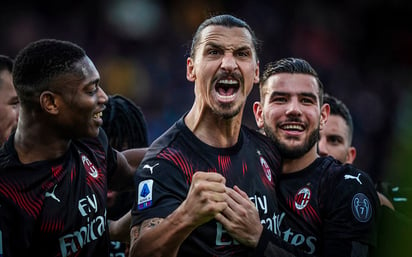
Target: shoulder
point(260, 141)
point(164, 142)
point(346, 185)
point(345, 173)
point(252, 136)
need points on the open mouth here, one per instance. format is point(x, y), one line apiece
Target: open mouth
point(97, 115)
point(226, 89)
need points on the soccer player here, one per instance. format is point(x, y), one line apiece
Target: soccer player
point(194, 184)
point(336, 137)
point(336, 140)
point(329, 209)
point(56, 168)
point(9, 102)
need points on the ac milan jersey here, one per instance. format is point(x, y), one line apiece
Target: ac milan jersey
point(325, 203)
point(56, 208)
point(164, 176)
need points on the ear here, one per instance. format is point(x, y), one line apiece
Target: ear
point(324, 115)
point(256, 79)
point(258, 112)
point(351, 156)
point(49, 102)
point(190, 70)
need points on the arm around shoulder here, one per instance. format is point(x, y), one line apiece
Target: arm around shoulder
point(127, 163)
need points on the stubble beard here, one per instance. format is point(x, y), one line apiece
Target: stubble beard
point(227, 111)
point(294, 152)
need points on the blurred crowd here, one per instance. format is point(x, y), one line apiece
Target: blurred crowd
point(360, 48)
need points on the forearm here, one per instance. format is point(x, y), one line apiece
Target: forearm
point(159, 237)
point(127, 162)
point(119, 229)
point(134, 156)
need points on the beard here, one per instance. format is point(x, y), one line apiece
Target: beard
point(227, 111)
point(293, 152)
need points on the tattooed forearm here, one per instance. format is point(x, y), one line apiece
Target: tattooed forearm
point(137, 231)
point(134, 233)
point(148, 224)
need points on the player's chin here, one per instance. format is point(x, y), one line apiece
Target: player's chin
point(93, 131)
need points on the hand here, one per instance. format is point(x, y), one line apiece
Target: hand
point(241, 218)
point(206, 198)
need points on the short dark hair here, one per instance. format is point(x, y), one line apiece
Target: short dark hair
point(337, 107)
point(290, 65)
point(40, 62)
point(6, 63)
point(124, 123)
point(225, 20)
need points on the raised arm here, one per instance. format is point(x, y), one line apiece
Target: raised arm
point(163, 237)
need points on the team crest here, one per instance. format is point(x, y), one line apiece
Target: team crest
point(144, 197)
point(266, 168)
point(89, 166)
point(361, 207)
point(302, 198)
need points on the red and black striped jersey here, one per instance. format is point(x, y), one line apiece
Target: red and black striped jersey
point(164, 177)
point(327, 202)
point(56, 207)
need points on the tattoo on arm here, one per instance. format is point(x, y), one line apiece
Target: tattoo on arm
point(134, 234)
point(149, 224)
point(138, 230)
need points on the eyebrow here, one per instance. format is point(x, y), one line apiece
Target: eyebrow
point(215, 45)
point(280, 93)
point(93, 82)
point(14, 99)
point(277, 93)
point(212, 44)
point(310, 95)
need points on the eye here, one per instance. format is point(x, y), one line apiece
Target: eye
point(92, 90)
point(243, 53)
point(15, 104)
point(279, 99)
point(307, 100)
point(335, 140)
point(212, 52)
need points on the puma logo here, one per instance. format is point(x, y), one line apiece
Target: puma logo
point(52, 195)
point(353, 177)
point(147, 166)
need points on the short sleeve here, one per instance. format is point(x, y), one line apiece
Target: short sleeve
point(160, 188)
point(350, 208)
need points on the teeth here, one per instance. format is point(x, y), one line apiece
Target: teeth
point(228, 81)
point(293, 127)
point(227, 97)
point(98, 115)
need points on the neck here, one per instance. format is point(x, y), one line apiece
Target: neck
point(213, 129)
point(34, 141)
point(298, 164)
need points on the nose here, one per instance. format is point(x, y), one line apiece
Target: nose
point(322, 148)
point(17, 113)
point(229, 63)
point(293, 108)
point(102, 96)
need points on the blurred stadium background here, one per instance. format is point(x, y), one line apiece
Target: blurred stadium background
point(362, 50)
